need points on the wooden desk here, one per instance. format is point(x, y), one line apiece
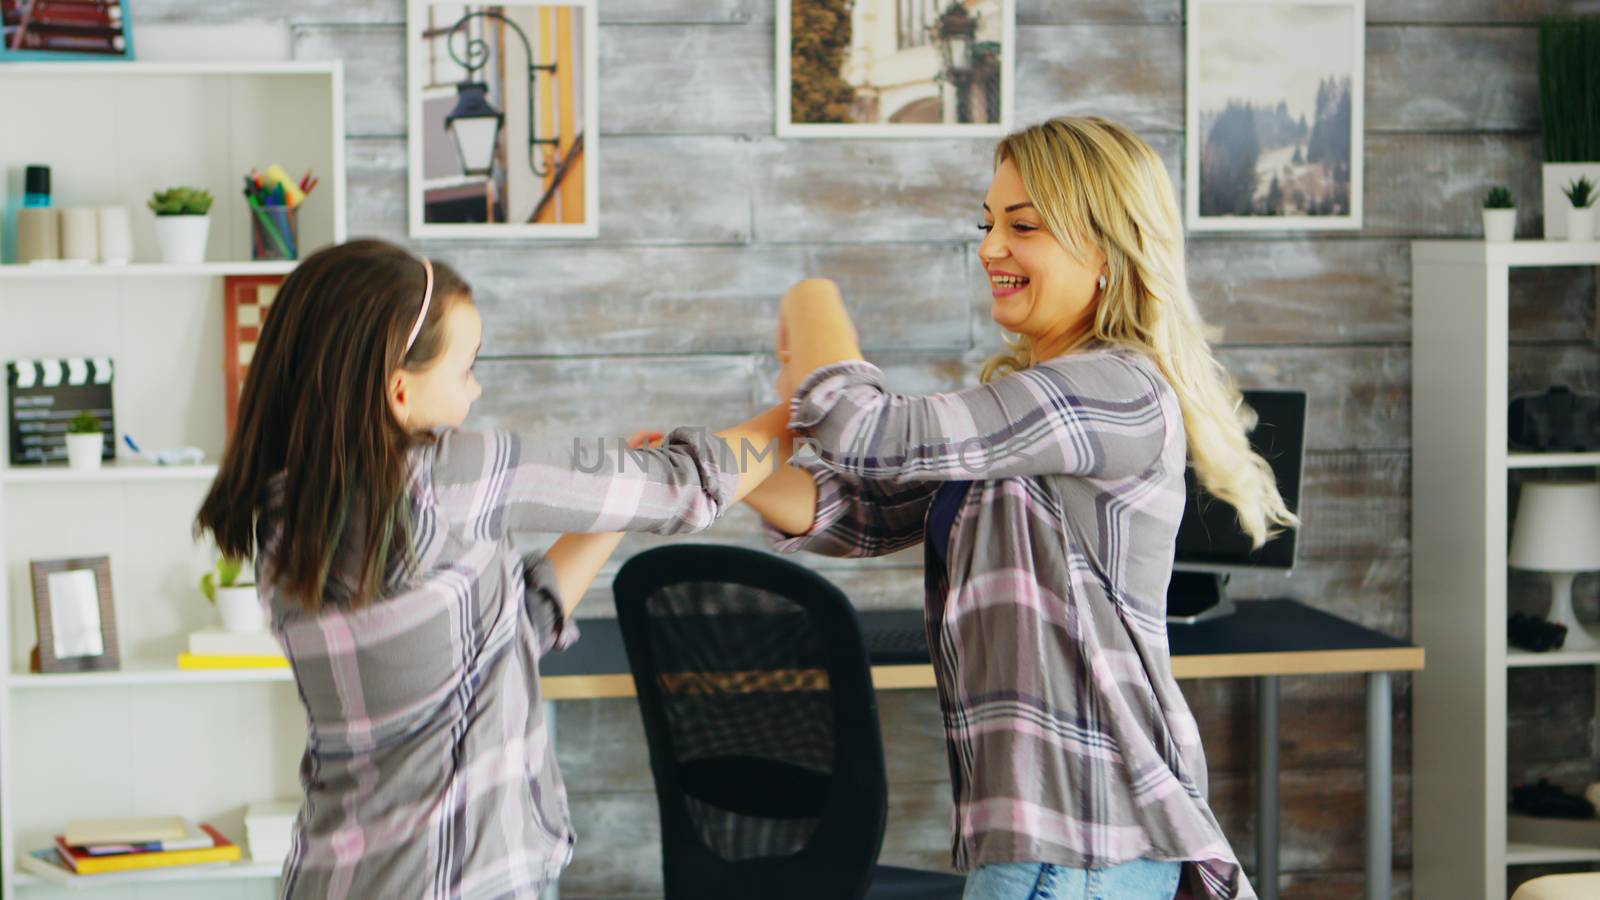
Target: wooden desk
point(1264, 640)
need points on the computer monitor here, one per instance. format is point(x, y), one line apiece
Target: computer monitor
point(1210, 543)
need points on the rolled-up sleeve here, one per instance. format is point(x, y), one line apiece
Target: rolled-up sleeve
point(541, 603)
point(856, 518)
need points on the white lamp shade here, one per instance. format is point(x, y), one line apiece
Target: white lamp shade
point(1557, 527)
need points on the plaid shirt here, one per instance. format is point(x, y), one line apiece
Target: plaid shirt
point(1069, 741)
point(428, 769)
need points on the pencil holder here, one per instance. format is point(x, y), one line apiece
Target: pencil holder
point(274, 232)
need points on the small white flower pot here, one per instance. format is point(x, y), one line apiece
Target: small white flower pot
point(1580, 224)
point(241, 609)
point(183, 238)
point(1556, 176)
point(1499, 225)
point(84, 450)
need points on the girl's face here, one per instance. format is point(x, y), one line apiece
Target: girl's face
point(1040, 290)
point(441, 395)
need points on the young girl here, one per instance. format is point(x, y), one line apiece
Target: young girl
point(1049, 499)
point(382, 542)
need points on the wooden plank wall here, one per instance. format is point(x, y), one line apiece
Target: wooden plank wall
point(706, 217)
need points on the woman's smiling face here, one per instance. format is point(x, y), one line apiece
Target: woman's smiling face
point(1040, 290)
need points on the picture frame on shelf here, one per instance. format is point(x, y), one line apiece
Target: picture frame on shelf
point(903, 69)
point(81, 32)
point(74, 616)
point(1274, 111)
point(245, 301)
point(503, 110)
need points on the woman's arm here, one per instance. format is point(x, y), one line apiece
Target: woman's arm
point(787, 500)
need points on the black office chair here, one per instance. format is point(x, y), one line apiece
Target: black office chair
point(759, 711)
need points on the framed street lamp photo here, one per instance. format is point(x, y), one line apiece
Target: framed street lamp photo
point(1274, 114)
point(503, 135)
point(895, 68)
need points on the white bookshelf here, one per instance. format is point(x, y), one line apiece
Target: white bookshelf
point(148, 739)
point(1460, 489)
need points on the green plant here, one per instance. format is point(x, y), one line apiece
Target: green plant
point(84, 422)
point(1499, 197)
point(181, 201)
point(224, 574)
point(1580, 193)
point(1569, 104)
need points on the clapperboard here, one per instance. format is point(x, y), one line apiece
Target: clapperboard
point(44, 396)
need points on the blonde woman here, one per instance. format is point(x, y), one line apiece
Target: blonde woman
point(1048, 500)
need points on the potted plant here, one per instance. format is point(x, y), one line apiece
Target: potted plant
point(234, 595)
point(182, 223)
point(85, 442)
point(1499, 215)
point(1569, 54)
point(1580, 215)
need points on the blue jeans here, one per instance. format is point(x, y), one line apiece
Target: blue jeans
point(1141, 879)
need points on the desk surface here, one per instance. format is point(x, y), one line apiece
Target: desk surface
point(1265, 637)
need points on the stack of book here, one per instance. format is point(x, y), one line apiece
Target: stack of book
point(214, 648)
point(97, 849)
point(268, 828)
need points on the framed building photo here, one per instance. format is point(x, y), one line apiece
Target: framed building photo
point(895, 68)
point(73, 614)
point(82, 30)
point(1274, 115)
point(504, 137)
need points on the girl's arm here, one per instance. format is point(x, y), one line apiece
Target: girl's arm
point(577, 560)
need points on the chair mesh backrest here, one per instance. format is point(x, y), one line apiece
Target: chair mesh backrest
point(744, 691)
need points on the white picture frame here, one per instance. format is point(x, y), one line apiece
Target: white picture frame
point(1270, 57)
point(448, 198)
point(897, 36)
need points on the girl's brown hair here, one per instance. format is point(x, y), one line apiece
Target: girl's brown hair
point(315, 407)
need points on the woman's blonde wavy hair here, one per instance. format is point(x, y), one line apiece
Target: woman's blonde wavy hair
point(1094, 182)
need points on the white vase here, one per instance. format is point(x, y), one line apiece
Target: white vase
point(1554, 177)
point(1499, 225)
point(182, 238)
point(1580, 223)
point(241, 609)
point(84, 450)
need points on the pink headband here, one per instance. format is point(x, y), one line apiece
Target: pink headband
point(427, 295)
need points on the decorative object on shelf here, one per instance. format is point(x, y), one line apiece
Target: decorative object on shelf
point(1557, 531)
point(245, 301)
point(1569, 55)
point(116, 235)
point(45, 394)
point(77, 30)
point(234, 596)
point(940, 68)
point(274, 203)
point(80, 234)
point(182, 224)
point(172, 456)
point(1548, 801)
point(86, 441)
point(38, 235)
point(36, 187)
point(1558, 420)
point(1499, 215)
point(1535, 634)
point(269, 828)
point(1580, 212)
point(73, 614)
point(502, 106)
point(1274, 112)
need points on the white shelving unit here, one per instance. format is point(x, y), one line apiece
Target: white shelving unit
point(147, 739)
point(1460, 488)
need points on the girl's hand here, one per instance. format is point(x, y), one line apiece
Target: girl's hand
point(645, 438)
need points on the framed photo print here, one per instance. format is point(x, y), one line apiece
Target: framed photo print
point(82, 30)
point(73, 614)
point(1274, 115)
point(245, 301)
point(503, 107)
point(895, 68)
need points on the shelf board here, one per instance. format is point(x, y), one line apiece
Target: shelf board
point(1523, 659)
point(108, 472)
point(238, 871)
point(145, 673)
point(149, 270)
point(1552, 460)
point(1512, 253)
point(1548, 854)
point(123, 69)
